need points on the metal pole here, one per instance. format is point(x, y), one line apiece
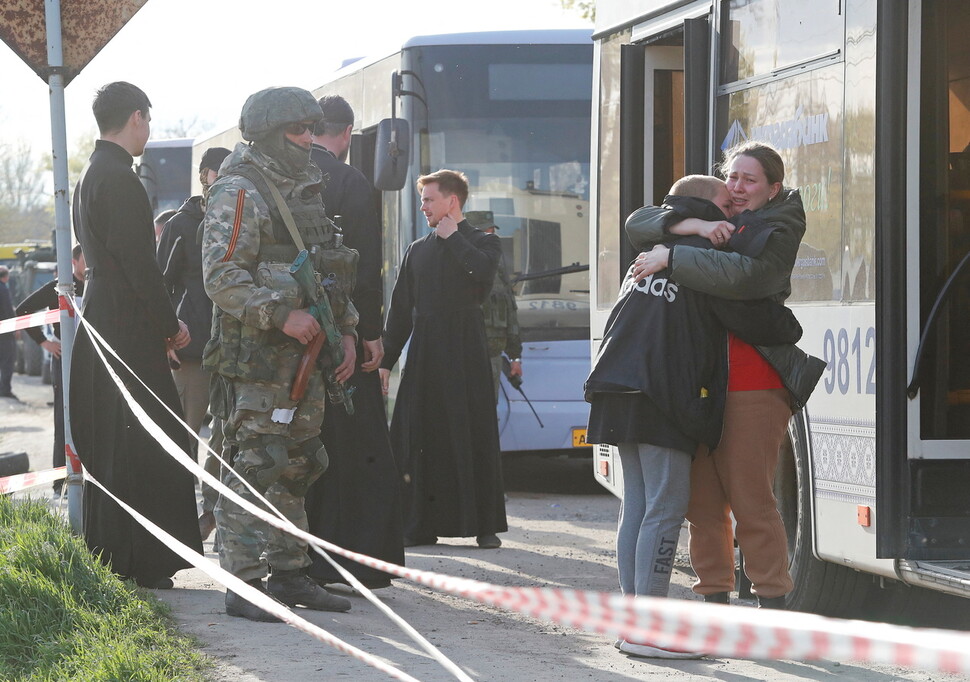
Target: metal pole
point(62, 225)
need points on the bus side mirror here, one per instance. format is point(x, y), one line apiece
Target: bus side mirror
point(391, 154)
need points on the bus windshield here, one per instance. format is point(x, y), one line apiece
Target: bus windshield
point(515, 120)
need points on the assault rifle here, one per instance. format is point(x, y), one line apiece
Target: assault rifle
point(516, 382)
point(302, 272)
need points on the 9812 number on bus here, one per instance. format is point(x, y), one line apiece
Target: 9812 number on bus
point(850, 359)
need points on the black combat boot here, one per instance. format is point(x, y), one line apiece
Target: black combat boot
point(293, 588)
point(717, 598)
point(772, 603)
point(240, 608)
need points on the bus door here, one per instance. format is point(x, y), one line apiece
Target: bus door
point(643, 148)
point(923, 247)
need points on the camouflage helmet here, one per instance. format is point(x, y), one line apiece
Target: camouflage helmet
point(275, 107)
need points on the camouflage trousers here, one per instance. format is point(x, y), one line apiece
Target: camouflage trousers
point(281, 460)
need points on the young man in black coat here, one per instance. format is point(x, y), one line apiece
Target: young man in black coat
point(444, 430)
point(126, 302)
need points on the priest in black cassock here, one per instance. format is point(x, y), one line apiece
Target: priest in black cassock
point(444, 430)
point(126, 302)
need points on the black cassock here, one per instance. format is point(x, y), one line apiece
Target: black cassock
point(357, 502)
point(444, 430)
point(126, 302)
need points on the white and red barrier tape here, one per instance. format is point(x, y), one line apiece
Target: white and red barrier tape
point(18, 482)
point(282, 523)
point(12, 324)
point(687, 625)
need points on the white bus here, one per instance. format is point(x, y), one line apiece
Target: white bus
point(869, 103)
point(511, 109)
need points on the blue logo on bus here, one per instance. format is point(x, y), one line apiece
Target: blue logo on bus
point(799, 131)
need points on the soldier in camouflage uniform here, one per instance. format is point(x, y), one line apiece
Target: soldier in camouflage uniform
point(261, 326)
point(499, 310)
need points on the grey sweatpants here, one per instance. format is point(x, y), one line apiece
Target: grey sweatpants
point(656, 489)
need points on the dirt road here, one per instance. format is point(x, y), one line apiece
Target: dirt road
point(561, 534)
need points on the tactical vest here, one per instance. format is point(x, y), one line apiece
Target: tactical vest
point(495, 310)
point(237, 350)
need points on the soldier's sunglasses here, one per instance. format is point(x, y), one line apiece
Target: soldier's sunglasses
point(298, 128)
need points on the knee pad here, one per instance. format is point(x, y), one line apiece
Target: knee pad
point(317, 462)
point(261, 461)
point(315, 452)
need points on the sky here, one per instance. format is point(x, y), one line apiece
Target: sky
point(198, 60)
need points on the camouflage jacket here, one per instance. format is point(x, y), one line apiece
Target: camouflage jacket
point(501, 318)
point(245, 261)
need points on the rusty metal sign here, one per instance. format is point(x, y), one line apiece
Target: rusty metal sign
point(86, 27)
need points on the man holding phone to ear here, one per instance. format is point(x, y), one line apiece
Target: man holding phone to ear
point(444, 430)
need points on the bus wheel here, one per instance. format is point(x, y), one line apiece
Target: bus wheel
point(819, 586)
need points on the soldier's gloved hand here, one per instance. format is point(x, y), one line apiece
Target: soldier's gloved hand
point(373, 354)
point(345, 369)
point(301, 325)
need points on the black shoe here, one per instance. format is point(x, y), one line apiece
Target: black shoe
point(240, 608)
point(772, 603)
point(293, 588)
point(717, 598)
point(416, 542)
point(10, 395)
point(489, 541)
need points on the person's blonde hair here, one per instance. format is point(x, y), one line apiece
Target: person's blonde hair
point(700, 186)
point(449, 182)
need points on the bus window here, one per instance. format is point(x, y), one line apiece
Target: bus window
point(945, 220)
point(801, 116)
point(762, 36)
point(517, 124)
point(608, 222)
point(164, 169)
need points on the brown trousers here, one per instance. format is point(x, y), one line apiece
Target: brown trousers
point(738, 476)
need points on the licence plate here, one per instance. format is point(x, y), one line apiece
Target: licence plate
point(579, 438)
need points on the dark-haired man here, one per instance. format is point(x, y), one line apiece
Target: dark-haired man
point(357, 503)
point(126, 302)
point(444, 430)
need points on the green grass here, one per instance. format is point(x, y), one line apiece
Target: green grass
point(64, 616)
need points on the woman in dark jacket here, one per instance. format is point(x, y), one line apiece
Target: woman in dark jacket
point(764, 384)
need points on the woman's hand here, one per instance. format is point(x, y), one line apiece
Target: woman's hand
point(650, 262)
point(717, 232)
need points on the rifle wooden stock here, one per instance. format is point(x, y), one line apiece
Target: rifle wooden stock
point(307, 364)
